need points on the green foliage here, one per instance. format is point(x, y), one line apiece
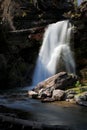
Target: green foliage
point(75, 2)
point(24, 14)
point(78, 90)
point(30, 1)
point(78, 84)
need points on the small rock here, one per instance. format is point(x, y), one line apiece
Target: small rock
point(32, 94)
point(70, 100)
point(70, 92)
point(70, 96)
point(43, 93)
point(48, 100)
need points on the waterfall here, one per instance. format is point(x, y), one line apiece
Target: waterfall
point(79, 2)
point(55, 54)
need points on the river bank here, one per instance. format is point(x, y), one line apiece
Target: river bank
point(17, 104)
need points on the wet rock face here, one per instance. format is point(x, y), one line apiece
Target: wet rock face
point(17, 58)
point(52, 89)
point(39, 12)
point(3, 59)
point(49, 4)
point(79, 19)
point(3, 70)
point(80, 35)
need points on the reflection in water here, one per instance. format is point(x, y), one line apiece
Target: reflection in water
point(48, 113)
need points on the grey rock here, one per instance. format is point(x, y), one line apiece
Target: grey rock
point(70, 92)
point(45, 92)
point(70, 96)
point(52, 89)
point(61, 81)
point(48, 100)
point(58, 95)
point(81, 99)
point(32, 94)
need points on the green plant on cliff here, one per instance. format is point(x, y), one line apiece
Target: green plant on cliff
point(78, 84)
point(76, 2)
point(79, 90)
point(78, 13)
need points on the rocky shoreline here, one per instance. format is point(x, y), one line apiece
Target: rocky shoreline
point(60, 87)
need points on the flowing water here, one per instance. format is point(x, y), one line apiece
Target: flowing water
point(55, 54)
point(79, 2)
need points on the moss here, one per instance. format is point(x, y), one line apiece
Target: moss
point(79, 94)
point(79, 90)
point(78, 84)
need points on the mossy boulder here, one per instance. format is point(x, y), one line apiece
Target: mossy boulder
point(78, 94)
point(81, 98)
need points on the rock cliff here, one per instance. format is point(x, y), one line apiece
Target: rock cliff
point(19, 46)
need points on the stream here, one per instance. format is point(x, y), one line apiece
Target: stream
point(18, 104)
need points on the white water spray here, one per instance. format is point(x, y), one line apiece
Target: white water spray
point(55, 54)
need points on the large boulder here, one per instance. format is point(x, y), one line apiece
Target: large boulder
point(61, 81)
point(52, 89)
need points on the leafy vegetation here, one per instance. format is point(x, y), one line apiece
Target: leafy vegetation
point(78, 84)
point(79, 89)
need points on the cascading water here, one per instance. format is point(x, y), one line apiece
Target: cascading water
point(79, 2)
point(55, 54)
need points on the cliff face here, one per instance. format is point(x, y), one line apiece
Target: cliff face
point(80, 38)
point(19, 48)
